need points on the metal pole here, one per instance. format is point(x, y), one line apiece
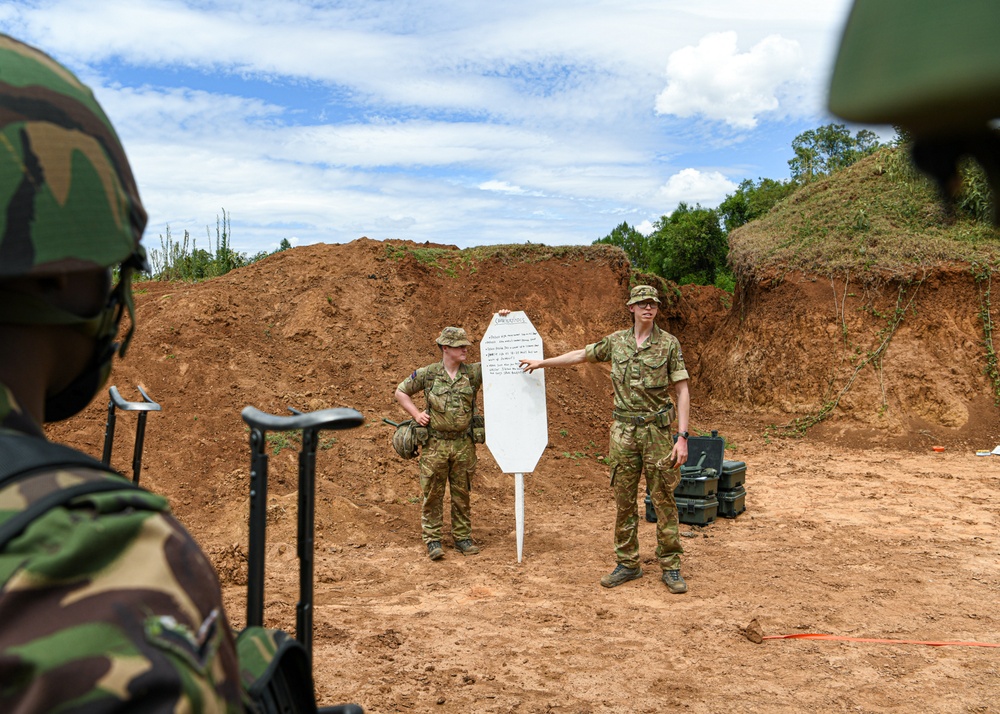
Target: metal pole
point(519, 512)
point(258, 526)
point(140, 437)
point(306, 539)
point(109, 434)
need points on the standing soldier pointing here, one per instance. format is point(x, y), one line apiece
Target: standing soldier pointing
point(645, 360)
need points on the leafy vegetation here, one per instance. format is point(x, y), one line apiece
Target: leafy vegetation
point(184, 260)
point(691, 245)
point(823, 151)
point(876, 218)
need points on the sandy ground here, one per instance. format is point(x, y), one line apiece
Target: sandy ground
point(868, 544)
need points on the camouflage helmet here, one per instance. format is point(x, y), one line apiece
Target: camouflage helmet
point(643, 293)
point(453, 337)
point(405, 440)
point(68, 198)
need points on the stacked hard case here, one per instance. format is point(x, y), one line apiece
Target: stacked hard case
point(710, 486)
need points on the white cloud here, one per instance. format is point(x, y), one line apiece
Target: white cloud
point(693, 186)
point(501, 186)
point(449, 121)
point(715, 80)
point(645, 227)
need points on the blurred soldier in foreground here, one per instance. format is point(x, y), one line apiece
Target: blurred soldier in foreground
point(933, 69)
point(645, 360)
point(449, 456)
point(106, 602)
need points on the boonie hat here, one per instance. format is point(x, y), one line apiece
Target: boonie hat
point(923, 64)
point(453, 337)
point(643, 293)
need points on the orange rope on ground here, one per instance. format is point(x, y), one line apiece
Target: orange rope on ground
point(885, 642)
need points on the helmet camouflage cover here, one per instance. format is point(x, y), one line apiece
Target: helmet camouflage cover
point(68, 198)
point(405, 440)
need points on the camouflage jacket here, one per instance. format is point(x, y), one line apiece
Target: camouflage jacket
point(107, 603)
point(450, 402)
point(640, 375)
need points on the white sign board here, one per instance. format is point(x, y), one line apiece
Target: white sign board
point(517, 426)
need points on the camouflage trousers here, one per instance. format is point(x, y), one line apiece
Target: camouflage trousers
point(452, 463)
point(636, 449)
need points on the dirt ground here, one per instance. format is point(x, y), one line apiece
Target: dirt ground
point(857, 529)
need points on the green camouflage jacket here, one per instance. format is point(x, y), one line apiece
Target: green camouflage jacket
point(640, 375)
point(107, 603)
point(450, 403)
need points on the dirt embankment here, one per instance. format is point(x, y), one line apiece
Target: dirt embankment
point(902, 363)
point(887, 542)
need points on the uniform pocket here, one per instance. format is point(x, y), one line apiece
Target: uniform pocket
point(655, 374)
point(437, 399)
point(619, 368)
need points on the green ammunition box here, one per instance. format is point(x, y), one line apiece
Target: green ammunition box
point(697, 486)
point(732, 503)
point(697, 511)
point(734, 474)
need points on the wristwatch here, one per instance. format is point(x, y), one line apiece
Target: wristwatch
point(682, 433)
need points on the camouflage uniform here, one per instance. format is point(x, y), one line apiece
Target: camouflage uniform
point(449, 457)
point(107, 600)
point(641, 377)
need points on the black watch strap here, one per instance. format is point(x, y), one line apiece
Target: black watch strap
point(682, 433)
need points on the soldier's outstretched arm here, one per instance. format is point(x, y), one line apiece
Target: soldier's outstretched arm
point(566, 359)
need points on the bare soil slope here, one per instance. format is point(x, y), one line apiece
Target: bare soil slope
point(893, 541)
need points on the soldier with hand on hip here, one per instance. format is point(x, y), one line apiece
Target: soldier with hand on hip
point(448, 459)
point(645, 361)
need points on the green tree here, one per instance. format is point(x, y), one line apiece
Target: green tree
point(632, 242)
point(283, 246)
point(753, 200)
point(819, 152)
point(689, 246)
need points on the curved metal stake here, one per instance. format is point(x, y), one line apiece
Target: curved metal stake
point(147, 405)
point(310, 424)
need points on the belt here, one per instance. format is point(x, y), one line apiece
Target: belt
point(448, 435)
point(638, 418)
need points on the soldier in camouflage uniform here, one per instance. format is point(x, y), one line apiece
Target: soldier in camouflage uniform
point(106, 602)
point(449, 456)
point(645, 360)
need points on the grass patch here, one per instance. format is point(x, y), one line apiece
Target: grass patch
point(876, 219)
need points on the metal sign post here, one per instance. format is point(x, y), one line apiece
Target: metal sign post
point(517, 426)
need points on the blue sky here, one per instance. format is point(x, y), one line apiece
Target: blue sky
point(451, 121)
